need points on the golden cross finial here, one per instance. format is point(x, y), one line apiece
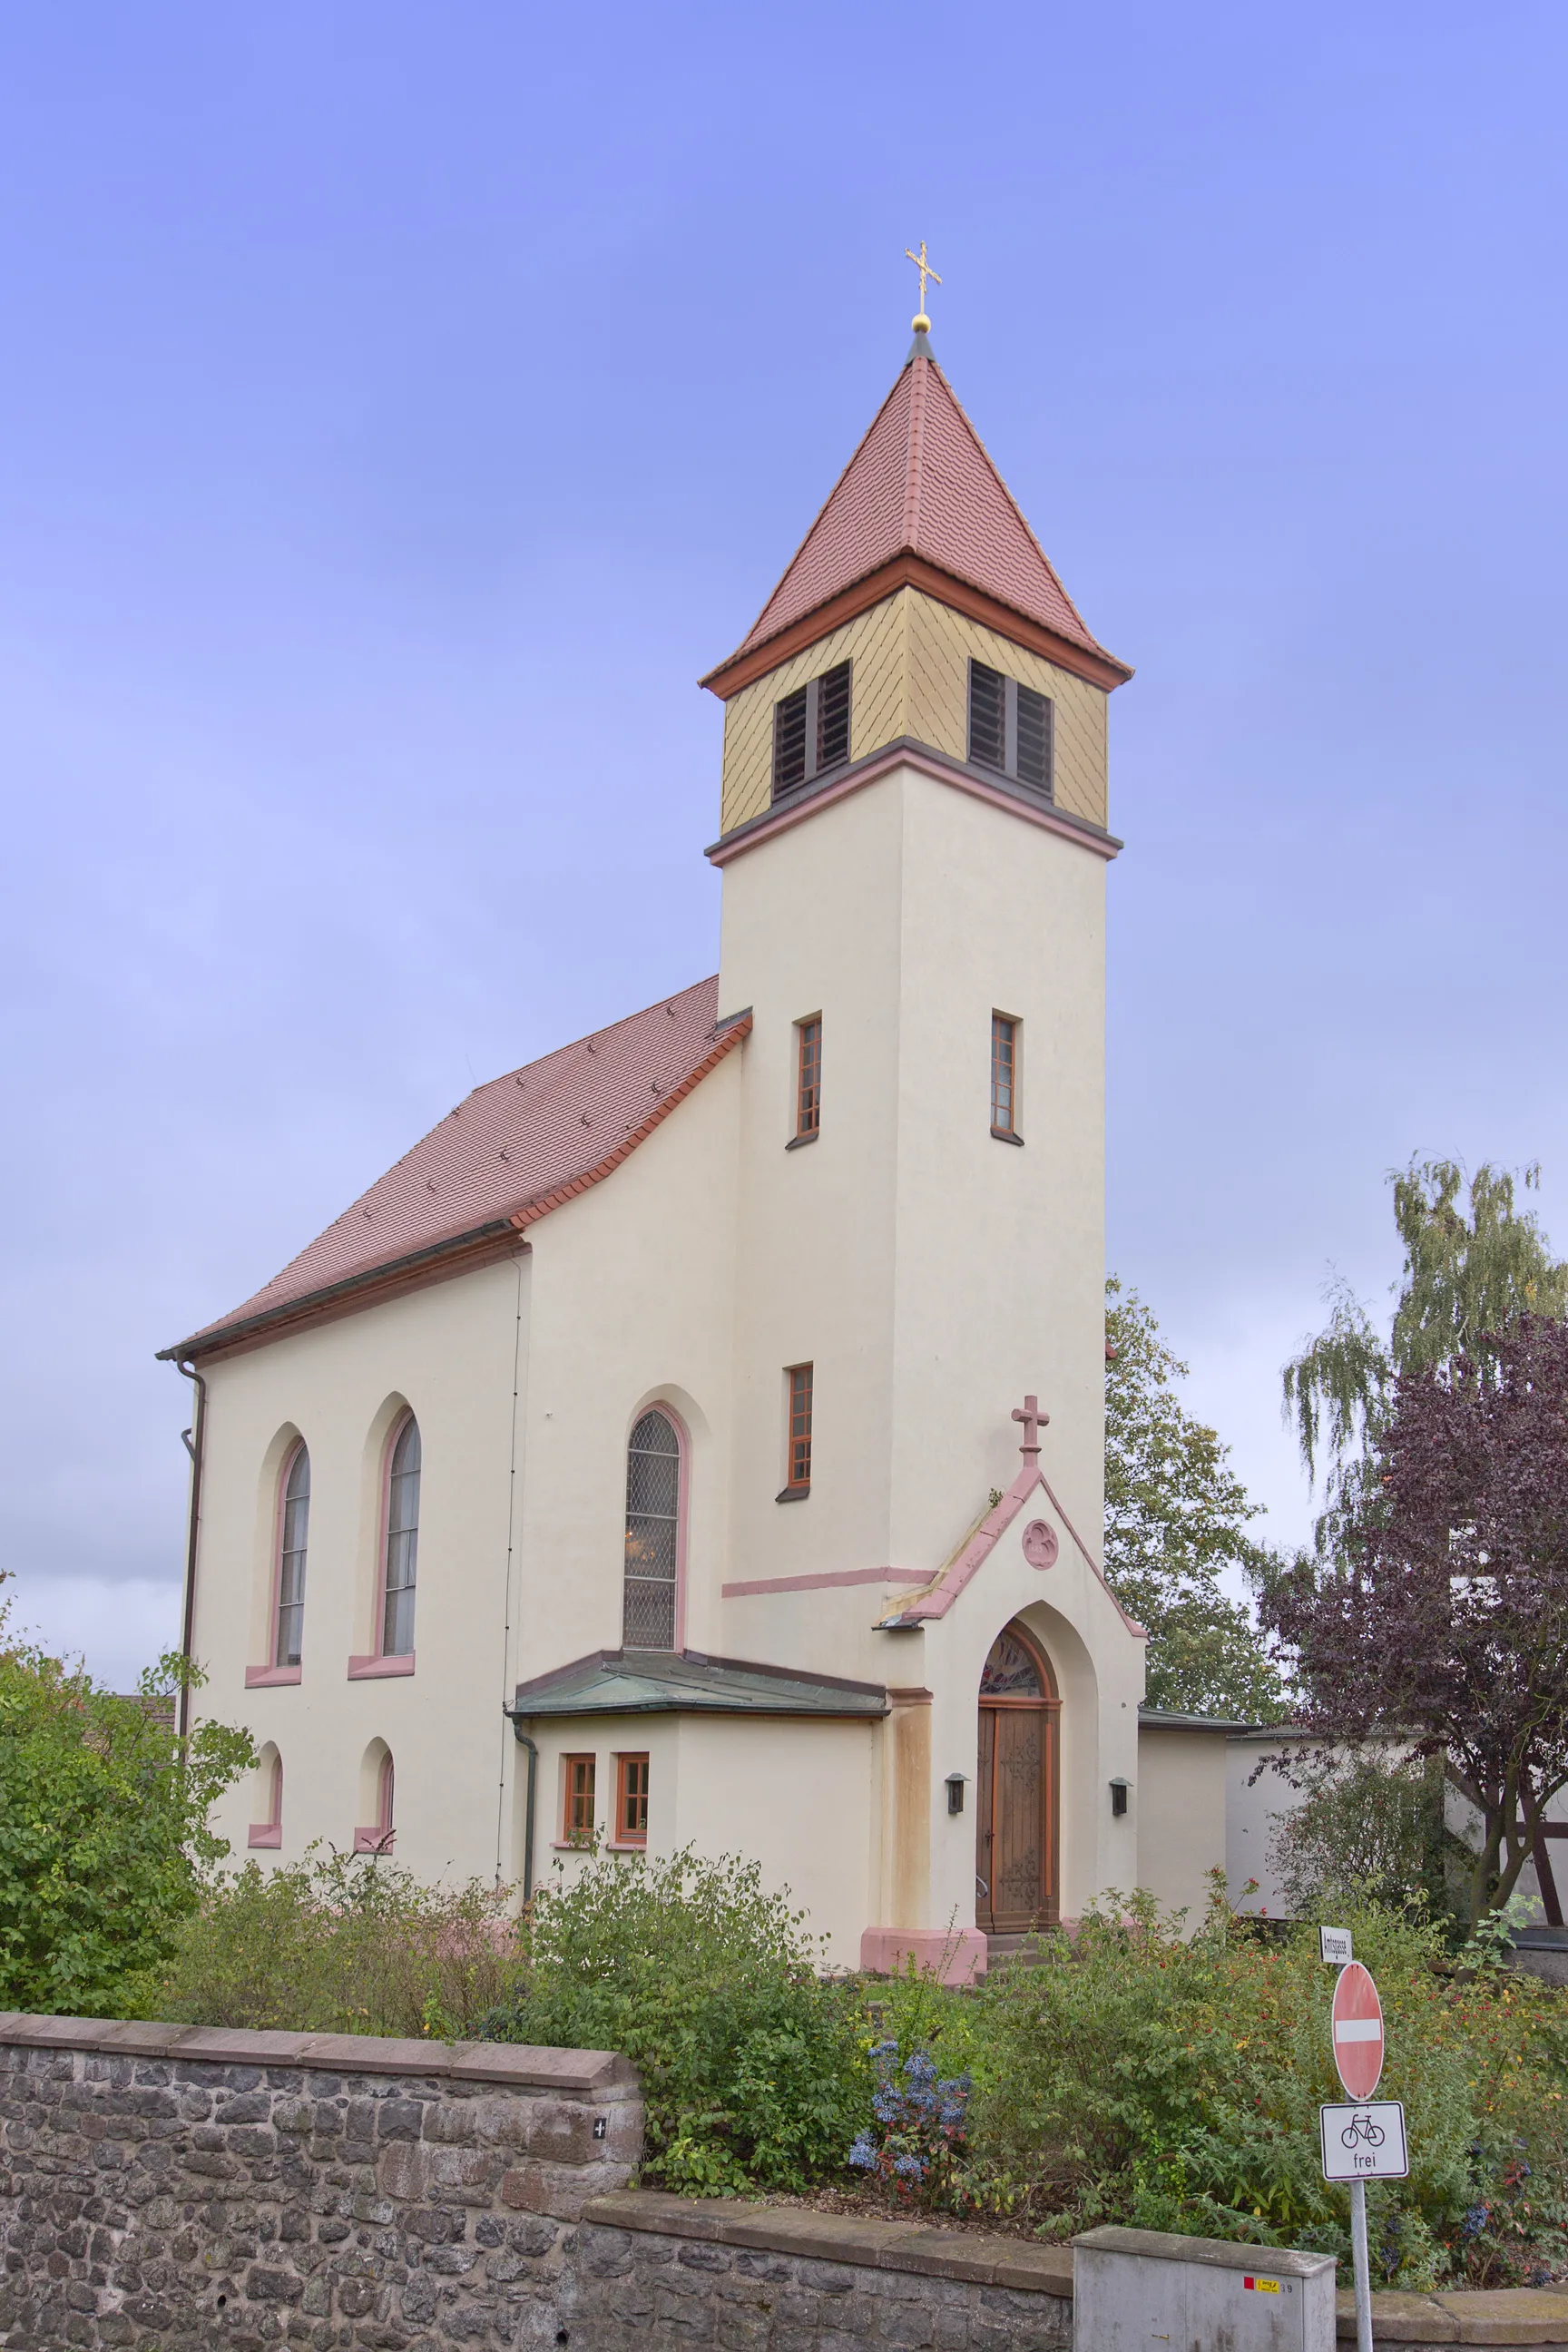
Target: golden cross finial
point(919, 322)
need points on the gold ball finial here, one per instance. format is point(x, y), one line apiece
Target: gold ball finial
point(921, 323)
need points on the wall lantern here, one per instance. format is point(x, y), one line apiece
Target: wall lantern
point(1119, 1790)
point(955, 1781)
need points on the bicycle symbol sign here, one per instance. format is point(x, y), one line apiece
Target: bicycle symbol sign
point(1365, 2142)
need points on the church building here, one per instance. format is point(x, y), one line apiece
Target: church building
point(697, 1438)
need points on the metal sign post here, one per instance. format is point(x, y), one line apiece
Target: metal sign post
point(1366, 2140)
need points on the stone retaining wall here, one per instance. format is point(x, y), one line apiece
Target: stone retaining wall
point(164, 2189)
point(654, 2271)
point(162, 2186)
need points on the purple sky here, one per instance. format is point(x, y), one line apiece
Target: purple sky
point(401, 405)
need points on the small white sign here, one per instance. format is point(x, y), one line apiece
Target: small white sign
point(1335, 1945)
point(1364, 2143)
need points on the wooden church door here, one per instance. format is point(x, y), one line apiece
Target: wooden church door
point(1016, 1832)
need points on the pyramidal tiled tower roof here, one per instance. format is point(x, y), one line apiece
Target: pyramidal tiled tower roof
point(920, 488)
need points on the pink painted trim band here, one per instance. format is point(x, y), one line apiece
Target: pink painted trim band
point(367, 1670)
point(374, 1840)
point(880, 763)
point(946, 1587)
point(271, 1677)
point(821, 1583)
point(532, 1211)
point(266, 1834)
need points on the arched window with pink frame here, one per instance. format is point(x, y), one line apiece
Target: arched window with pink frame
point(657, 1479)
point(400, 1565)
point(293, 1540)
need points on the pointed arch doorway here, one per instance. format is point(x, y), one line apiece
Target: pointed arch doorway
point(1016, 1862)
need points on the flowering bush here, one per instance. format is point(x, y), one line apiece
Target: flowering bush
point(916, 2137)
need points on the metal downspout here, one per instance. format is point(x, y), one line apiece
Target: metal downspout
point(194, 1441)
point(523, 1740)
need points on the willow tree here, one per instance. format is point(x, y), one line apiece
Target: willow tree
point(1473, 1267)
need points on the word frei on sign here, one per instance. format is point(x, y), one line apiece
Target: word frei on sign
point(1334, 1945)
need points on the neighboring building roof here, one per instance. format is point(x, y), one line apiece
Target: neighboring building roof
point(1169, 1719)
point(663, 1682)
point(509, 1152)
point(920, 483)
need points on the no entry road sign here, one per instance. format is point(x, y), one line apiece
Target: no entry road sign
point(1358, 2032)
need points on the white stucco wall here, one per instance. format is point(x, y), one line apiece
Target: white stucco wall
point(1181, 1804)
point(448, 1352)
point(930, 1273)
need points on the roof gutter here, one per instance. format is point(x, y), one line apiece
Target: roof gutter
point(225, 1335)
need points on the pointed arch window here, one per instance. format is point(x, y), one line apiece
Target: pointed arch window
point(402, 1543)
point(655, 1533)
point(294, 1529)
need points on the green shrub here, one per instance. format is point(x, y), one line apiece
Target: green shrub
point(753, 2064)
point(103, 1832)
point(1173, 2085)
point(1371, 1828)
point(339, 1943)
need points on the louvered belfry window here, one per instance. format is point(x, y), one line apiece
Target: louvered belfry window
point(789, 741)
point(811, 729)
point(653, 1534)
point(1011, 728)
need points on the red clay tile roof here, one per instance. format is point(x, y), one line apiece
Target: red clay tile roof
point(921, 483)
point(512, 1150)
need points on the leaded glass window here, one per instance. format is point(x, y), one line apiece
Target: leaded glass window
point(653, 1534)
point(1010, 1671)
point(402, 1543)
point(291, 1542)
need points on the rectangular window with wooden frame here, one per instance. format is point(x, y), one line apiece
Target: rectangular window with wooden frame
point(797, 1432)
point(807, 1079)
point(1006, 1034)
point(631, 1799)
point(577, 1822)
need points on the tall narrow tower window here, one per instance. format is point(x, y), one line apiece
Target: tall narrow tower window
point(1011, 728)
point(797, 1477)
point(652, 1573)
point(291, 1548)
point(808, 1077)
point(811, 729)
point(1004, 1076)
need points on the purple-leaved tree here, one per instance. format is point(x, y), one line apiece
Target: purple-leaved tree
point(1442, 1620)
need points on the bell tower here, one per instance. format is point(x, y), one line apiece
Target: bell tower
point(913, 839)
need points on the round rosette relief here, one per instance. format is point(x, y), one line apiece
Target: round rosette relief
point(1040, 1545)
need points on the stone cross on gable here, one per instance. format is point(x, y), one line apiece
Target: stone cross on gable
point(1034, 1421)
